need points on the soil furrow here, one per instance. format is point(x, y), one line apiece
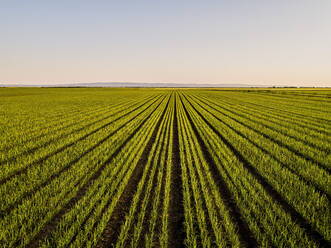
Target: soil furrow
point(111, 231)
point(245, 235)
point(176, 204)
point(281, 144)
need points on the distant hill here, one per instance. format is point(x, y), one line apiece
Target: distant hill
point(138, 85)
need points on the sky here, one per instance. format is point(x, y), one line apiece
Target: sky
point(272, 42)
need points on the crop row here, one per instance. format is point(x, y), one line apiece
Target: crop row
point(165, 168)
point(53, 187)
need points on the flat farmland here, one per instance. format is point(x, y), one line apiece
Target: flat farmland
point(121, 167)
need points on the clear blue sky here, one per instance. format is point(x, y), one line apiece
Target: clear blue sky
point(262, 42)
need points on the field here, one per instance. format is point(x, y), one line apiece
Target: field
point(165, 167)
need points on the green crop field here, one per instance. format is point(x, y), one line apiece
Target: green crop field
point(102, 167)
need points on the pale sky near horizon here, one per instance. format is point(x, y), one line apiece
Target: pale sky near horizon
point(185, 41)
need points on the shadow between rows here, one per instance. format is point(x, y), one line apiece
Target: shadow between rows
point(111, 231)
point(176, 204)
